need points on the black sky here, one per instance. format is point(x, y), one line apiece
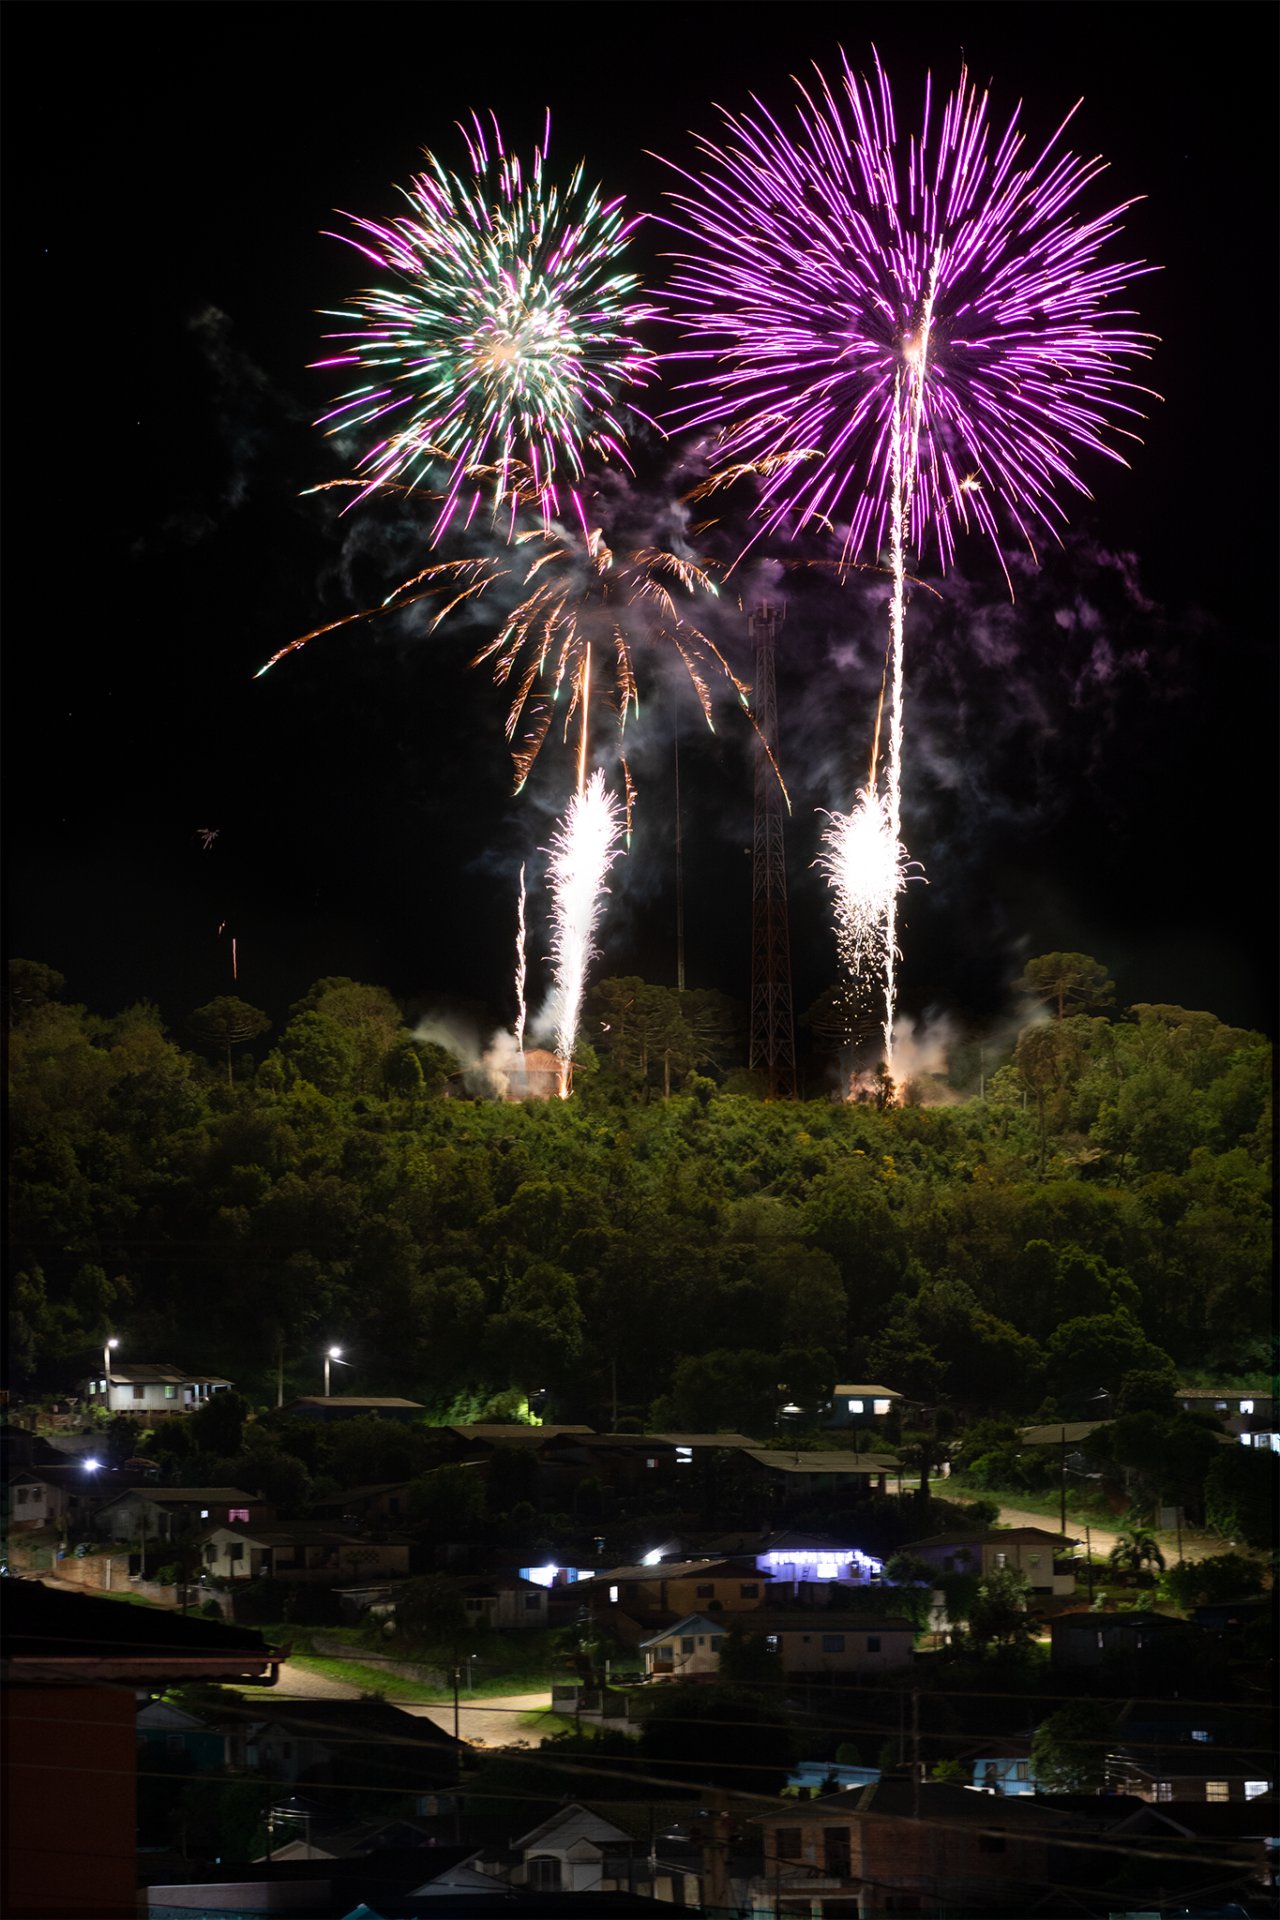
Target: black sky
point(1092, 769)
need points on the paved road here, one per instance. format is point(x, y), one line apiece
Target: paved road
point(492, 1722)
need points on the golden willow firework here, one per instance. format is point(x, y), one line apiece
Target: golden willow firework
point(580, 592)
point(503, 337)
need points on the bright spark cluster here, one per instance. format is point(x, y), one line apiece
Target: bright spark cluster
point(866, 868)
point(503, 336)
point(833, 254)
point(583, 848)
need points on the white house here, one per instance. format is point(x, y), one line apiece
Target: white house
point(578, 1850)
point(31, 1501)
point(691, 1646)
point(151, 1388)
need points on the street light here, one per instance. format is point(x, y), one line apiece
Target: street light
point(331, 1353)
point(106, 1368)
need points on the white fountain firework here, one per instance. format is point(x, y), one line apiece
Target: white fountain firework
point(865, 869)
point(583, 848)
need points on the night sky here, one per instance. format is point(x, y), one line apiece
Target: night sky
point(1091, 767)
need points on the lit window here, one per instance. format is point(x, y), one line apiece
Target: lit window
point(879, 1406)
point(171, 1393)
point(1001, 1559)
point(856, 1406)
point(651, 1463)
point(1164, 1789)
point(1200, 1733)
point(238, 1513)
point(771, 1641)
point(684, 1456)
point(204, 1513)
point(827, 1570)
point(1246, 1406)
point(1216, 1790)
point(1253, 1788)
point(1219, 1406)
point(613, 1596)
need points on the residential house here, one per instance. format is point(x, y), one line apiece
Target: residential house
point(855, 1406)
point(165, 1513)
point(151, 1390)
point(829, 1643)
point(504, 1601)
point(908, 1846)
point(671, 1588)
point(171, 1739)
point(300, 1550)
point(329, 1743)
point(73, 1665)
point(33, 1499)
point(1239, 1410)
point(1033, 1550)
point(385, 1503)
point(351, 1406)
point(798, 1559)
point(1167, 1753)
point(793, 1478)
point(631, 1848)
point(1143, 1639)
point(1001, 1767)
point(690, 1649)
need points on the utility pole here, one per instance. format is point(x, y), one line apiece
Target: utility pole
point(915, 1753)
point(1062, 1482)
point(773, 1038)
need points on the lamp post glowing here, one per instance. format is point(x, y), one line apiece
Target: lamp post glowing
point(106, 1369)
point(331, 1353)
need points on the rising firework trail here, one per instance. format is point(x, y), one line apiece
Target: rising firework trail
point(520, 967)
point(901, 339)
point(499, 337)
point(583, 848)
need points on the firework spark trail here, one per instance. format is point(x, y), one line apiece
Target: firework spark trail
point(502, 340)
point(923, 334)
point(520, 968)
point(583, 848)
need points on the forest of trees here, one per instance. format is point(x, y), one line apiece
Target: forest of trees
point(665, 1244)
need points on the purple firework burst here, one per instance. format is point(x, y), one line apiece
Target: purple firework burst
point(839, 261)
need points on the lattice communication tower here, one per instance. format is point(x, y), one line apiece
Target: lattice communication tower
point(773, 1036)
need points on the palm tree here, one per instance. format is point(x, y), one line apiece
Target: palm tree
point(1137, 1552)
